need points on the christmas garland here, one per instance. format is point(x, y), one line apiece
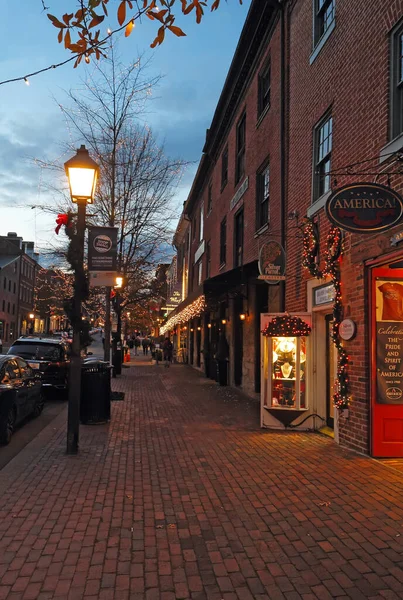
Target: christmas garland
point(81, 281)
point(331, 269)
point(287, 326)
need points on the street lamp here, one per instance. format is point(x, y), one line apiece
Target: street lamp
point(82, 173)
point(32, 323)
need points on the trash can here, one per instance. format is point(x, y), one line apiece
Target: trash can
point(117, 361)
point(95, 406)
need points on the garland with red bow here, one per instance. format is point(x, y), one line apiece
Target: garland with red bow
point(81, 280)
point(333, 253)
point(62, 219)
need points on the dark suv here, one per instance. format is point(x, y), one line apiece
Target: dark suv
point(49, 356)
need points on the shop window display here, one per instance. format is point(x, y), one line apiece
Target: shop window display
point(284, 365)
point(288, 356)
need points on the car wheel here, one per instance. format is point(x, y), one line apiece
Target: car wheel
point(38, 408)
point(7, 426)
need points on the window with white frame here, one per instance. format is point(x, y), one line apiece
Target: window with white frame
point(262, 196)
point(200, 273)
point(324, 15)
point(322, 156)
point(263, 90)
point(201, 230)
point(240, 148)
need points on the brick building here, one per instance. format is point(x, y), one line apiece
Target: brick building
point(310, 104)
point(18, 268)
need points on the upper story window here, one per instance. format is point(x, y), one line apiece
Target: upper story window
point(262, 197)
point(194, 224)
point(224, 168)
point(208, 260)
point(322, 156)
point(223, 241)
point(396, 77)
point(200, 273)
point(238, 241)
point(324, 14)
point(263, 90)
point(209, 198)
point(240, 148)
point(201, 229)
point(9, 285)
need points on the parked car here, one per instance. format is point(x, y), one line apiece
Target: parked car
point(20, 394)
point(47, 355)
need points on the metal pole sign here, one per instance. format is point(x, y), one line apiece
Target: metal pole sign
point(102, 248)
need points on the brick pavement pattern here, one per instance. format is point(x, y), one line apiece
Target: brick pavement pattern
point(182, 496)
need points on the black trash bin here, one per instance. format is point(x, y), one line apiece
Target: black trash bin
point(95, 406)
point(117, 361)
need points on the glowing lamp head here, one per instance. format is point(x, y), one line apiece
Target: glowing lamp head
point(31, 316)
point(119, 282)
point(242, 316)
point(209, 325)
point(223, 321)
point(82, 173)
point(199, 329)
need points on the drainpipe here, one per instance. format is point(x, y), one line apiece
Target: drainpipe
point(283, 145)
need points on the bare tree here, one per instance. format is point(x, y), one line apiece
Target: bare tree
point(138, 181)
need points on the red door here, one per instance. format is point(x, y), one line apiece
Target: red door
point(387, 361)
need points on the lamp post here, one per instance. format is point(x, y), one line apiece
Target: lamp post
point(82, 173)
point(32, 323)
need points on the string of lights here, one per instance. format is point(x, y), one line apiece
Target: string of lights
point(191, 311)
point(333, 254)
point(287, 326)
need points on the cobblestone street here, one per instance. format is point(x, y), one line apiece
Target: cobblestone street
point(182, 496)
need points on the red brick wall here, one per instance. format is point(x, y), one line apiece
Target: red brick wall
point(262, 142)
point(351, 76)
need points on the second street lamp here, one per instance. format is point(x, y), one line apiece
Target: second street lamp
point(82, 173)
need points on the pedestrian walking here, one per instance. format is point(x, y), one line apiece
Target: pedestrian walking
point(167, 348)
point(137, 344)
point(145, 344)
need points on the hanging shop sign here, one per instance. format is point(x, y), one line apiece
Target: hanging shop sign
point(389, 342)
point(272, 263)
point(365, 208)
point(102, 248)
point(347, 329)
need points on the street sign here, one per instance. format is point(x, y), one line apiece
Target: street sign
point(102, 249)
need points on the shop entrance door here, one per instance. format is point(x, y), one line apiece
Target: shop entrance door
point(387, 361)
point(330, 372)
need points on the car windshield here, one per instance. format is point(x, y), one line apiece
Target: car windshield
point(36, 351)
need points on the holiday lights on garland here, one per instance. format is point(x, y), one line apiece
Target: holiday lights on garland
point(331, 269)
point(287, 326)
point(189, 312)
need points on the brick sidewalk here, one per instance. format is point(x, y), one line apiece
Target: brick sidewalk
point(182, 496)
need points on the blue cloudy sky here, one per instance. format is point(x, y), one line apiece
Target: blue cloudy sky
point(31, 126)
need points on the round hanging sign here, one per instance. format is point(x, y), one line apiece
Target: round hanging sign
point(365, 208)
point(272, 262)
point(347, 329)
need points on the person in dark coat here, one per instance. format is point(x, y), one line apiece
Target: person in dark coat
point(167, 349)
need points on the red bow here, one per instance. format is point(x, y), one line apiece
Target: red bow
point(113, 294)
point(61, 220)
